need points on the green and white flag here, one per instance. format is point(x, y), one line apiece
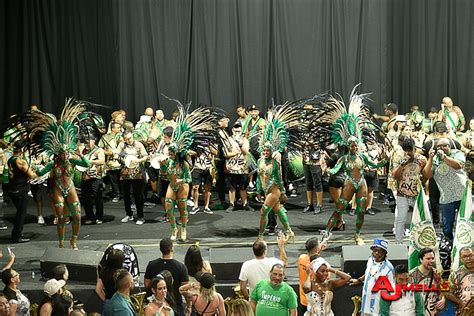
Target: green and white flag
point(422, 232)
point(464, 235)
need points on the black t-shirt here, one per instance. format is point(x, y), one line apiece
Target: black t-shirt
point(107, 277)
point(177, 269)
point(432, 143)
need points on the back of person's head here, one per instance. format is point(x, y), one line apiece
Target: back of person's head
point(7, 276)
point(122, 279)
point(401, 268)
point(241, 307)
point(59, 272)
point(168, 131)
point(311, 244)
point(166, 246)
point(115, 259)
point(408, 143)
point(259, 247)
point(193, 260)
point(207, 281)
point(62, 305)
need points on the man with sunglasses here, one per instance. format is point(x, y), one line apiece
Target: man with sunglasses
point(446, 165)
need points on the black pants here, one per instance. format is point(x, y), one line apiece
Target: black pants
point(220, 183)
point(114, 177)
point(92, 193)
point(137, 186)
point(20, 200)
point(434, 200)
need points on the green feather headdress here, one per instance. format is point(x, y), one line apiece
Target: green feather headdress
point(284, 127)
point(344, 126)
point(194, 130)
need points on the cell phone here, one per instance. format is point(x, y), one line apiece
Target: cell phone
point(9, 250)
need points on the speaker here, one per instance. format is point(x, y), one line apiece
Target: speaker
point(81, 264)
point(354, 258)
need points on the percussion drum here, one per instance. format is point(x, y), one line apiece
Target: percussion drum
point(130, 161)
point(156, 159)
point(296, 167)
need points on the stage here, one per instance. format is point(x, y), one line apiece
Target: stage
point(222, 230)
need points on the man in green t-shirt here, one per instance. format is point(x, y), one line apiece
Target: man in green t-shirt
point(274, 297)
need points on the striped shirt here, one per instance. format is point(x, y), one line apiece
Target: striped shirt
point(371, 301)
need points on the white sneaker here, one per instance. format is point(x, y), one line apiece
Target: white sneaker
point(194, 211)
point(115, 200)
point(207, 210)
point(190, 203)
point(40, 220)
point(126, 219)
point(133, 207)
point(140, 221)
point(98, 221)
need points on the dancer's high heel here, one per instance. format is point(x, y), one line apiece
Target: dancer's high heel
point(289, 236)
point(183, 234)
point(358, 240)
point(73, 242)
point(174, 234)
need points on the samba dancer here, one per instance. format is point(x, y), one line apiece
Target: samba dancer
point(346, 130)
point(283, 123)
point(194, 131)
point(58, 138)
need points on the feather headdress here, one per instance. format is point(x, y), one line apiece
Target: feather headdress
point(285, 127)
point(195, 130)
point(340, 125)
point(44, 133)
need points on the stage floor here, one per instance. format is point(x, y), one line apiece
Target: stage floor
point(236, 229)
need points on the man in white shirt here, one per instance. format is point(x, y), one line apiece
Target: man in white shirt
point(255, 270)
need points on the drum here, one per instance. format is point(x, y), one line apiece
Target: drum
point(130, 161)
point(296, 167)
point(39, 180)
point(155, 160)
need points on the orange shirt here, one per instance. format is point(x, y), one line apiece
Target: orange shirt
point(303, 261)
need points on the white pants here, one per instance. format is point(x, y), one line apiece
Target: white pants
point(401, 212)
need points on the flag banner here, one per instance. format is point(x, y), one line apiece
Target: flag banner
point(464, 235)
point(422, 232)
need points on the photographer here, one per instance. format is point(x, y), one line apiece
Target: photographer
point(446, 165)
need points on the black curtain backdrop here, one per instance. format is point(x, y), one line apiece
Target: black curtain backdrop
point(129, 53)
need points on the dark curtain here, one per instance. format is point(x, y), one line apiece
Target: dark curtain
point(131, 54)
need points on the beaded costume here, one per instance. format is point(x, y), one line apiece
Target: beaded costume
point(194, 131)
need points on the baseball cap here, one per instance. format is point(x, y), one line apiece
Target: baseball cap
point(400, 118)
point(380, 243)
point(53, 286)
point(206, 279)
point(392, 107)
point(252, 107)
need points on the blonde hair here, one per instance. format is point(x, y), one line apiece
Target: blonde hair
point(208, 294)
point(241, 307)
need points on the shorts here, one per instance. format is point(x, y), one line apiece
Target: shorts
point(234, 181)
point(201, 176)
point(37, 190)
point(336, 181)
point(163, 187)
point(313, 177)
point(372, 179)
point(153, 173)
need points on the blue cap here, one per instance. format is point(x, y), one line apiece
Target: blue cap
point(380, 243)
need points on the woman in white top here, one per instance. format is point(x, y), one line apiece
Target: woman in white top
point(318, 288)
